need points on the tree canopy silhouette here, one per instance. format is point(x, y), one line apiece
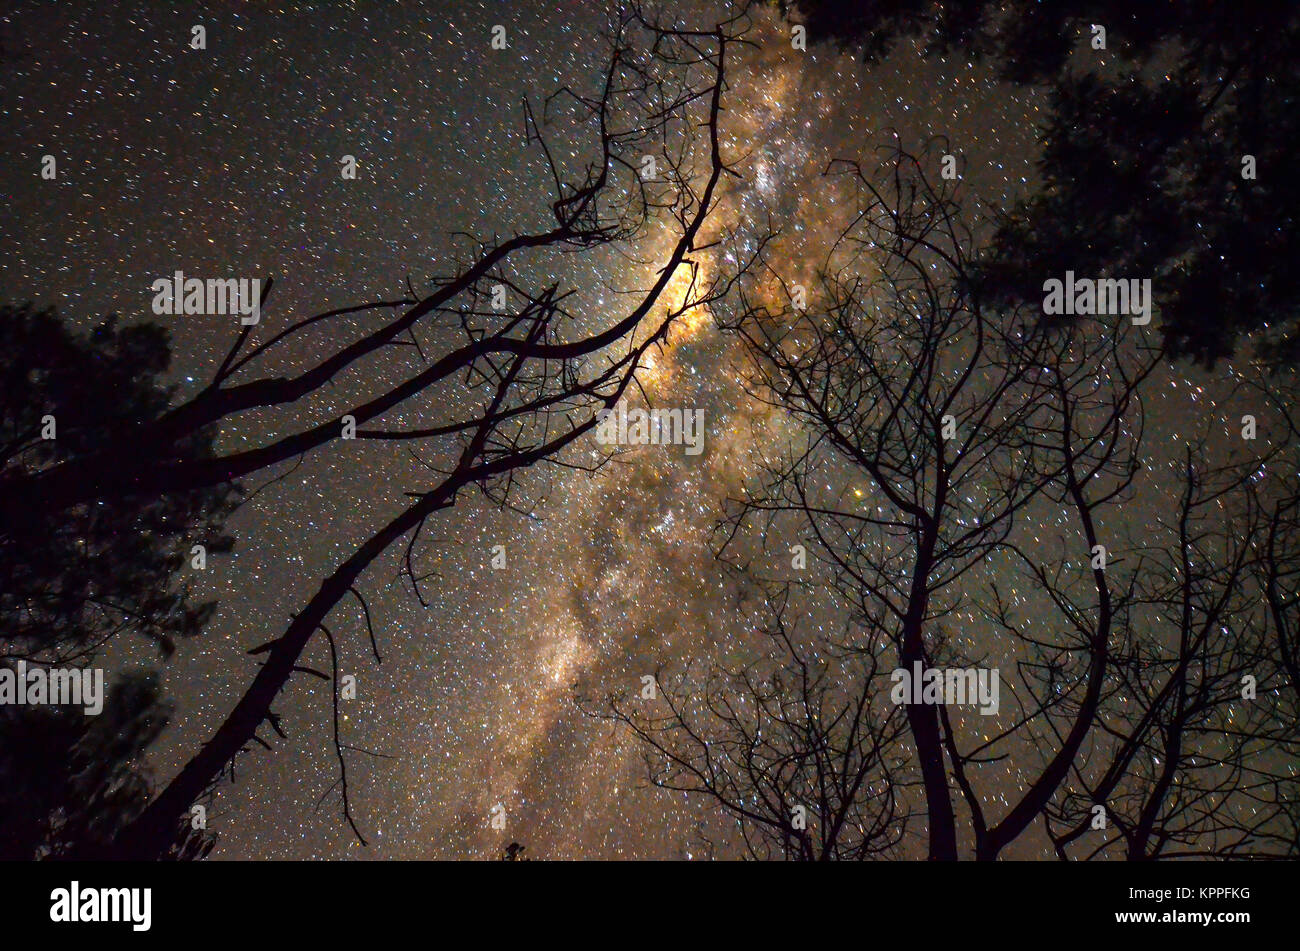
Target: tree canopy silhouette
point(1169, 162)
point(70, 783)
point(70, 582)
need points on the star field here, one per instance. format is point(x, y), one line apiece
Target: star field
point(226, 161)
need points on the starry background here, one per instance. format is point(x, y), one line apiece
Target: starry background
point(225, 161)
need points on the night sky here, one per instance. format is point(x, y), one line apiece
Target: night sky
point(225, 161)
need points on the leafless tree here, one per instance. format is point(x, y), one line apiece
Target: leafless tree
point(796, 746)
point(964, 484)
point(519, 388)
point(1199, 758)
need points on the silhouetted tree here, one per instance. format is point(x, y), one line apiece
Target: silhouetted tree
point(800, 747)
point(70, 783)
point(1203, 734)
point(1143, 157)
point(944, 439)
point(71, 580)
point(502, 391)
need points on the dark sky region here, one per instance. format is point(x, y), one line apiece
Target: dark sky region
point(226, 161)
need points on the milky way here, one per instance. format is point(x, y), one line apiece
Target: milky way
point(224, 161)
